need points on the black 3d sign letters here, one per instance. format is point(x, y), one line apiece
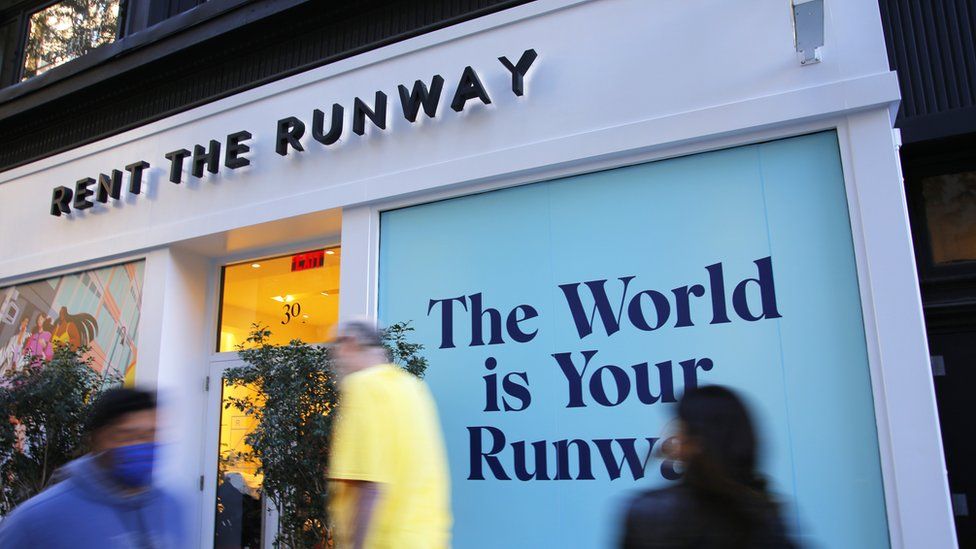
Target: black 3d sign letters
point(135, 175)
point(467, 88)
point(413, 99)
point(176, 164)
point(335, 128)
point(235, 148)
point(61, 200)
point(82, 192)
point(376, 115)
point(470, 87)
point(109, 186)
point(423, 95)
point(209, 158)
point(290, 130)
point(519, 70)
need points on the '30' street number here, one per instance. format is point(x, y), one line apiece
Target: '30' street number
point(291, 311)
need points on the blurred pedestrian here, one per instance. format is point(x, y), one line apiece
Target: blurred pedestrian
point(721, 501)
point(106, 498)
point(388, 468)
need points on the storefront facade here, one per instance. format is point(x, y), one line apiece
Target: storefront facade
point(584, 208)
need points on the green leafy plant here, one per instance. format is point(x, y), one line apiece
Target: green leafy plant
point(404, 354)
point(43, 411)
point(293, 402)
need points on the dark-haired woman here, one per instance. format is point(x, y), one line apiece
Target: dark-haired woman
point(39, 346)
point(74, 331)
point(721, 501)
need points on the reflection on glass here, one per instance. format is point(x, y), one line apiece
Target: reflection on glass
point(296, 297)
point(237, 519)
point(950, 208)
point(66, 30)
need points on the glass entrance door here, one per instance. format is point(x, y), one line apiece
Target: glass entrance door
point(295, 297)
point(238, 509)
point(240, 515)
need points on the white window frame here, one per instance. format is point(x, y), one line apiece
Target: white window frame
point(910, 442)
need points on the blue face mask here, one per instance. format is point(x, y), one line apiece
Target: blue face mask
point(132, 465)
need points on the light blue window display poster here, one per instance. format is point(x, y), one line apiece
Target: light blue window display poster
point(563, 319)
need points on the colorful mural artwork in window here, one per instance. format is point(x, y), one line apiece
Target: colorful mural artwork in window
point(98, 309)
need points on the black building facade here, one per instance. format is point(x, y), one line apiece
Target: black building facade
point(932, 47)
point(170, 56)
point(154, 59)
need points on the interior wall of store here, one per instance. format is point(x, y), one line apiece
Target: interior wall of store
point(624, 81)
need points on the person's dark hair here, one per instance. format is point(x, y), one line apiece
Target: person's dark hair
point(115, 403)
point(363, 333)
point(722, 473)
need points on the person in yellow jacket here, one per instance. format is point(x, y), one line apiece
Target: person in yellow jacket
point(388, 470)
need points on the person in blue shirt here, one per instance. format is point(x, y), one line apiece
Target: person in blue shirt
point(106, 498)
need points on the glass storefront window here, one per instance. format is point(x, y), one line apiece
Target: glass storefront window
point(950, 211)
point(295, 296)
point(67, 30)
point(784, 198)
point(81, 310)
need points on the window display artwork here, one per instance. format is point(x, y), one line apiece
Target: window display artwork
point(98, 309)
point(563, 319)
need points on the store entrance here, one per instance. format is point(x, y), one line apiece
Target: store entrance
point(243, 518)
point(953, 356)
point(295, 297)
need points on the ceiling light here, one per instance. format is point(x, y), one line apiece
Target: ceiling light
point(255, 265)
point(329, 252)
point(278, 298)
point(289, 298)
point(304, 316)
point(326, 294)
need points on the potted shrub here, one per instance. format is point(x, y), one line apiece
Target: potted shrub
point(43, 411)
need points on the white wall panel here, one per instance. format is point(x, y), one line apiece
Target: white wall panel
point(603, 65)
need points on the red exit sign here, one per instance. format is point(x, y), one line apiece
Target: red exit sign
point(307, 260)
